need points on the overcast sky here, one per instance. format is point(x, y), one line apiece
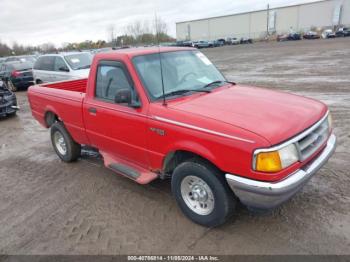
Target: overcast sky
point(40, 21)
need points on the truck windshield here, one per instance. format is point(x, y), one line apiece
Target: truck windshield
point(79, 61)
point(182, 70)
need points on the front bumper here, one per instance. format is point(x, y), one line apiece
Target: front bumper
point(9, 107)
point(268, 195)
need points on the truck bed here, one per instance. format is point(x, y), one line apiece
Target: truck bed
point(71, 85)
point(63, 99)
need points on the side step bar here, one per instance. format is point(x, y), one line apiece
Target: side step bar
point(130, 170)
point(127, 171)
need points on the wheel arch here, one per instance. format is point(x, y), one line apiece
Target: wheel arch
point(177, 156)
point(50, 116)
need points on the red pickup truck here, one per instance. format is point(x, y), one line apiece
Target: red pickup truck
point(169, 113)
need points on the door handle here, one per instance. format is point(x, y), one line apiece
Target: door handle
point(92, 110)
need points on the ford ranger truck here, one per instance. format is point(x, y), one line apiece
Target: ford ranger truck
point(160, 113)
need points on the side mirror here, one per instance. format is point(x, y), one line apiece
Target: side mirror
point(124, 96)
point(63, 69)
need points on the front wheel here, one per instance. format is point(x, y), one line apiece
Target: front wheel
point(202, 193)
point(64, 145)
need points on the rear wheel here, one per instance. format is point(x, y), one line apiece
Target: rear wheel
point(66, 148)
point(202, 193)
point(11, 86)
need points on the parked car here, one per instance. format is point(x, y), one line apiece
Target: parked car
point(8, 101)
point(187, 44)
point(2, 60)
point(201, 44)
point(180, 43)
point(188, 123)
point(29, 58)
point(311, 35)
point(328, 33)
point(215, 43)
point(232, 41)
point(343, 32)
point(222, 41)
point(289, 37)
point(105, 49)
point(60, 67)
point(17, 75)
point(165, 44)
point(184, 43)
point(246, 40)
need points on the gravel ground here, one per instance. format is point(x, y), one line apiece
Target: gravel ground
point(49, 207)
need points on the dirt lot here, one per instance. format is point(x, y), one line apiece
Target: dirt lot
point(49, 207)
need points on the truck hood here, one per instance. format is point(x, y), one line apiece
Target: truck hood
point(274, 115)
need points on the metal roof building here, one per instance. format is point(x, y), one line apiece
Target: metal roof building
point(301, 17)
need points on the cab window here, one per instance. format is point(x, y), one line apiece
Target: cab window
point(110, 78)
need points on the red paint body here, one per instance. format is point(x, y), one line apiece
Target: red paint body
point(224, 126)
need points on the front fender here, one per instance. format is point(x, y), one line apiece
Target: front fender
point(191, 147)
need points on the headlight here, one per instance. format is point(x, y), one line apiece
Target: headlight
point(275, 161)
point(330, 121)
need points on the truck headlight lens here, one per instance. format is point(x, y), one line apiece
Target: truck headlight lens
point(275, 161)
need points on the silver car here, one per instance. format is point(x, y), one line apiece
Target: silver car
point(232, 41)
point(61, 67)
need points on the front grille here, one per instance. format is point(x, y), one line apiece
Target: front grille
point(313, 140)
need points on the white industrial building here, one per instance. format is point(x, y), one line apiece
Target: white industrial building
point(256, 24)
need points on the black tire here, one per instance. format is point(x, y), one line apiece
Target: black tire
point(224, 199)
point(11, 86)
point(73, 149)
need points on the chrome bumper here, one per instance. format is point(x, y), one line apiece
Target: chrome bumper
point(267, 195)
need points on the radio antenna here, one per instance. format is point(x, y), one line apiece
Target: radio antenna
point(160, 58)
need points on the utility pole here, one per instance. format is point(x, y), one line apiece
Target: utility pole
point(267, 20)
point(156, 27)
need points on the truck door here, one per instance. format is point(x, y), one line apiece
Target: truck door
point(115, 128)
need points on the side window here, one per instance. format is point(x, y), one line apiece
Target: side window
point(37, 64)
point(60, 65)
point(45, 63)
point(110, 79)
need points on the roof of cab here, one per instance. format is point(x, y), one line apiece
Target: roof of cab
point(132, 52)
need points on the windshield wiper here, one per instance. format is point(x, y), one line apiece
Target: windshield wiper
point(217, 82)
point(183, 91)
point(84, 67)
